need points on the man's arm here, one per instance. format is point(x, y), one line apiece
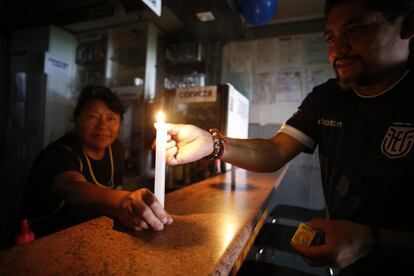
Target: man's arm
point(262, 155)
point(189, 143)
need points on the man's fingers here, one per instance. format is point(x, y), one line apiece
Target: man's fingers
point(171, 144)
point(170, 157)
point(172, 129)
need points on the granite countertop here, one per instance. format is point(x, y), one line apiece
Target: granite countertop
point(212, 225)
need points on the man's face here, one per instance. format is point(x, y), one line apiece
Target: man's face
point(97, 126)
point(363, 45)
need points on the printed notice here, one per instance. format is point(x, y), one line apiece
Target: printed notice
point(290, 52)
point(265, 57)
point(56, 66)
point(315, 50)
point(264, 90)
point(288, 85)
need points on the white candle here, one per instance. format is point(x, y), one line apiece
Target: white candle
point(160, 152)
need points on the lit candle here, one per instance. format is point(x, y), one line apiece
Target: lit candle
point(160, 152)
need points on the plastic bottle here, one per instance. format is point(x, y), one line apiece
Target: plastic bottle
point(25, 235)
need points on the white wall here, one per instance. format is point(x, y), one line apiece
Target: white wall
point(276, 73)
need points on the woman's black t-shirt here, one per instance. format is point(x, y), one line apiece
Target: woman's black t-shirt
point(46, 211)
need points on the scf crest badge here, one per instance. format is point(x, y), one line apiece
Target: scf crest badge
point(398, 140)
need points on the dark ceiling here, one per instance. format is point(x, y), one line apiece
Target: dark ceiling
point(178, 17)
point(182, 19)
point(228, 24)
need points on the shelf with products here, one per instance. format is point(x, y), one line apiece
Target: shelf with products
point(191, 63)
point(185, 68)
point(184, 52)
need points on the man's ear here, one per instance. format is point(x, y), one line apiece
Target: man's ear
point(407, 25)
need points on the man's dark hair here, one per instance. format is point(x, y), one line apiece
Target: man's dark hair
point(391, 9)
point(95, 92)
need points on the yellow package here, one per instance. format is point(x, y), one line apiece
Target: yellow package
point(304, 235)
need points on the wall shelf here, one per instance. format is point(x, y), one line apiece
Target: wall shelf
point(185, 68)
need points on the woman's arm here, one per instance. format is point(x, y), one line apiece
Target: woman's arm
point(136, 210)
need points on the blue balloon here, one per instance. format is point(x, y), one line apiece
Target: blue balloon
point(258, 12)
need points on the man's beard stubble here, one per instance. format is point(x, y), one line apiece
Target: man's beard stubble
point(354, 82)
point(348, 84)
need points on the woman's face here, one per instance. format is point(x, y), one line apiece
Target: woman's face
point(97, 126)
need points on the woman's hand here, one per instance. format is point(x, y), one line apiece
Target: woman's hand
point(140, 210)
point(345, 242)
point(188, 143)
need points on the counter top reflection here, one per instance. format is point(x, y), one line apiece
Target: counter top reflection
point(213, 223)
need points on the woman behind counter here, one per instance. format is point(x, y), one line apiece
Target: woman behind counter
point(74, 178)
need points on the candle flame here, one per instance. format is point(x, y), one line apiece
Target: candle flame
point(160, 117)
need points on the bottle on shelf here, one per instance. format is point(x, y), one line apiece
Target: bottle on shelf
point(25, 235)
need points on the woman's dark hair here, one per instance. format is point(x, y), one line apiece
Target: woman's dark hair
point(391, 9)
point(95, 92)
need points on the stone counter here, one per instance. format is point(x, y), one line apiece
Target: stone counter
point(214, 223)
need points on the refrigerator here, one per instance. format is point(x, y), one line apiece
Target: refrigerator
point(40, 102)
point(216, 106)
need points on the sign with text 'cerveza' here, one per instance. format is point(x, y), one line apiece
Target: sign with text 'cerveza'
point(196, 94)
point(154, 5)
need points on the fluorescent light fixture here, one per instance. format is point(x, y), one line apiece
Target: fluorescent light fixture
point(205, 16)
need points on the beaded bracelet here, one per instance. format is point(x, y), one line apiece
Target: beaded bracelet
point(219, 144)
